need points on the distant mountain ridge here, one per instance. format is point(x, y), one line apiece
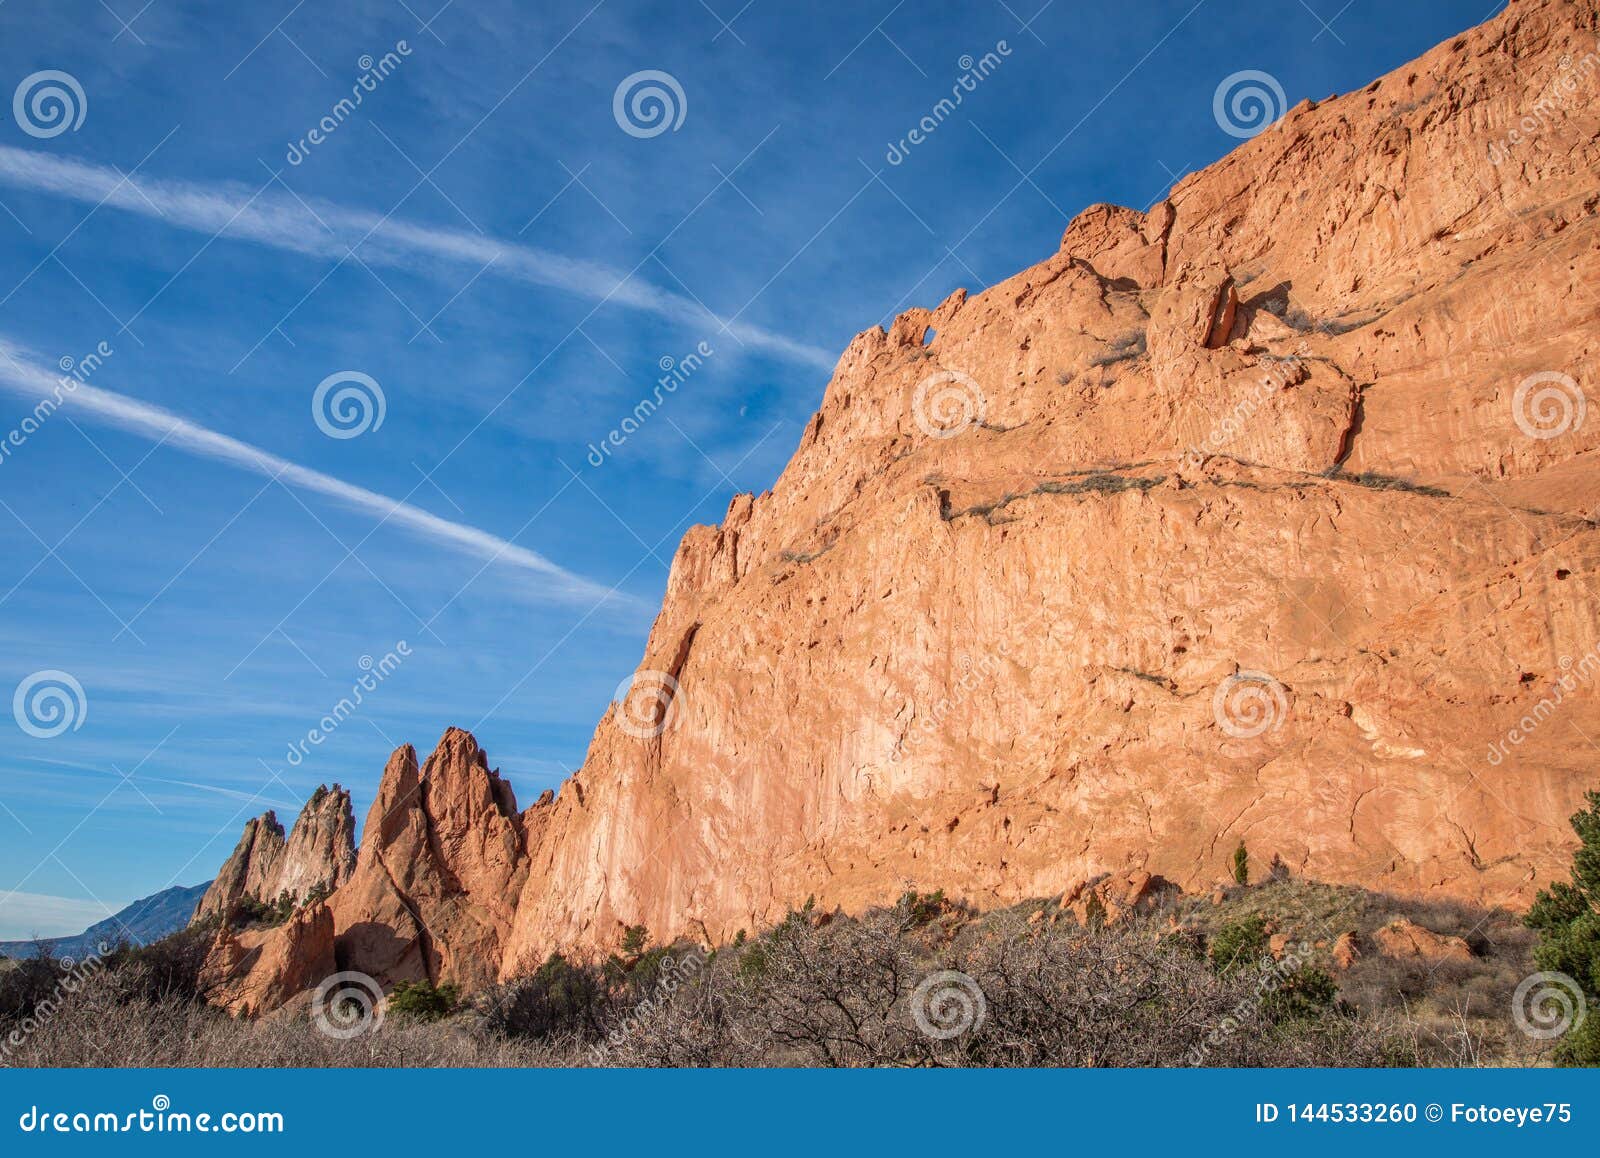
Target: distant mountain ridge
point(142, 922)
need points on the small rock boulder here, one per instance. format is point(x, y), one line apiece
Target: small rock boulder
point(1403, 940)
point(1115, 897)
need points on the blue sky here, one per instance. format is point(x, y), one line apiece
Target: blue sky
point(484, 240)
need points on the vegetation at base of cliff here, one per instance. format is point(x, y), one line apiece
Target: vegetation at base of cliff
point(424, 1001)
point(1567, 918)
point(36, 989)
point(1247, 977)
point(248, 911)
point(1239, 944)
point(928, 982)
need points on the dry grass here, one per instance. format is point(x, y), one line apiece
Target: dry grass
point(1124, 347)
point(1443, 1004)
point(830, 990)
point(111, 1022)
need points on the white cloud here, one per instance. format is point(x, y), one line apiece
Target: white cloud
point(19, 375)
point(24, 916)
point(322, 229)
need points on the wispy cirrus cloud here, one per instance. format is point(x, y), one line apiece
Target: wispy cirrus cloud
point(20, 375)
point(27, 915)
point(323, 229)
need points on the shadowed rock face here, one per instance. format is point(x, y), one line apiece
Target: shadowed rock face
point(319, 855)
point(1230, 521)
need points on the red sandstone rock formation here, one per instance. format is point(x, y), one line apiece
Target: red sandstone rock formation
point(1346, 950)
point(1404, 940)
point(318, 856)
point(1234, 520)
point(258, 970)
point(442, 861)
point(1283, 577)
point(250, 871)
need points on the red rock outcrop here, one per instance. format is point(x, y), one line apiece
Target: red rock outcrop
point(441, 864)
point(1405, 940)
point(1115, 897)
point(1346, 950)
point(1265, 516)
point(317, 858)
point(1233, 520)
point(250, 871)
point(258, 970)
point(320, 853)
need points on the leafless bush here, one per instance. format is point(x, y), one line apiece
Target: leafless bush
point(843, 993)
point(921, 983)
point(110, 1021)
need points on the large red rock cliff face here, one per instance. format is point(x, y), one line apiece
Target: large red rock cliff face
point(986, 631)
point(1265, 515)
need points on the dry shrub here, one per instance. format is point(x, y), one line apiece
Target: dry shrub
point(844, 993)
point(110, 1021)
point(817, 990)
